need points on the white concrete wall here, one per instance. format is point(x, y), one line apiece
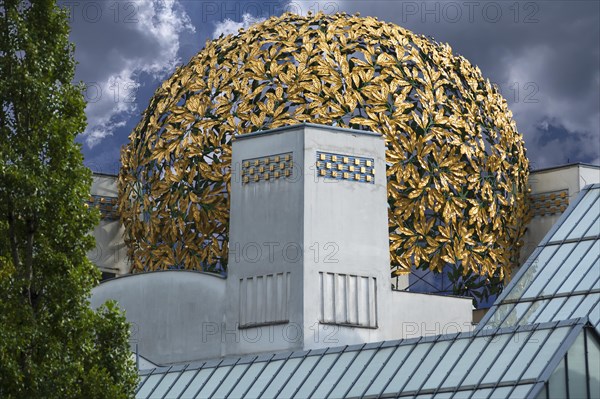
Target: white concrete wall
point(588, 174)
point(177, 315)
point(416, 315)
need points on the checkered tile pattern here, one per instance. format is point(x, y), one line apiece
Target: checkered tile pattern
point(345, 167)
point(268, 168)
point(550, 203)
point(107, 206)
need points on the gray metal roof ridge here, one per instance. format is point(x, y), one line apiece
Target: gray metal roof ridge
point(491, 332)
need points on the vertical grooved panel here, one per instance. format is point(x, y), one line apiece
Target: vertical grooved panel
point(352, 299)
point(340, 298)
point(279, 296)
point(242, 301)
point(321, 292)
point(348, 299)
point(264, 299)
point(260, 306)
point(363, 301)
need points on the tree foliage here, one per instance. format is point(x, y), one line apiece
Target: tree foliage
point(52, 344)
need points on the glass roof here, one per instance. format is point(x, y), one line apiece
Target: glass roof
point(561, 279)
point(502, 363)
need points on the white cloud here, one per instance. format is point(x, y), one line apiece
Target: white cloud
point(116, 43)
point(230, 27)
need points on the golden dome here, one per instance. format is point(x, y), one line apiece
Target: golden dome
point(456, 165)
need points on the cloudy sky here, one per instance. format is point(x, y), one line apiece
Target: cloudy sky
point(544, 56)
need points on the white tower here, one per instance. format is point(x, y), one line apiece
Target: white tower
point(309, 250)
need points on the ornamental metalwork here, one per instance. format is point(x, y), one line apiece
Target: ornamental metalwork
point(268, 168)
point(345, 167)
point(549, 203)
point(107, 206)
point(456, 166)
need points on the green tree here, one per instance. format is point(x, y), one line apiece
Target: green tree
point(52, 344)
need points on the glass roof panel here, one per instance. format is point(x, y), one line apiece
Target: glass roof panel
point(264, 378)
point(249, 376)
point(197, 383)
point(298, 376)
point(466, 394)
point(143, 379)
point(533, 268)
point(519, 341)
point(549, 310)
point(181, 383)
point(427, 365)
point(521, 391)
point(282, 377)
point(497, 314)
point(590, 197)
point(148, 386)
point(164, 385)
point(594, 229)
point(370, 372)
point(213, 382)
point(586, 307)
point(544, 355)
point(528, 355)
point(356, 367)
point(502, 393)
point(228, 383)
point(586, 226)
point(446, 364)
point(534, 311)
point(408, 367)
point(518, 312)
point(332, 376)
point(485, 361)
point(547, 270)
point(470, 355)
point(386, 375)
point(575, 260)
point(577, 274)
point(317, 375)
point(590, 281)
point(569, 306)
